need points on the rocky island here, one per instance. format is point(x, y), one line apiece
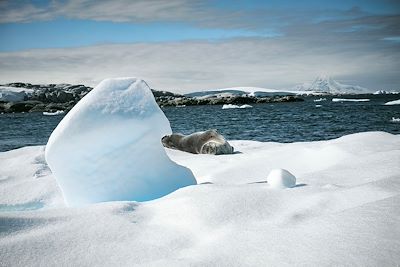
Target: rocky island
point(26, 97)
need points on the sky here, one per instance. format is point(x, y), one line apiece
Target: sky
point(184, 46)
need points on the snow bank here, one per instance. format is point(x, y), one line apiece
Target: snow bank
point(108, 147)
point(58, 112)
point(395, 102)
point(344, 211)
point(230, 106)
point(349, 100)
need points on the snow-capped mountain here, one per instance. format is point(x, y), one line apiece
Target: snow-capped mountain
point(326, 84)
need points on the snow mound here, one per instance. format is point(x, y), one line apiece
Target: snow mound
point(394, 102)
point(349, 100)
point(108, 147)
point(230, 106)
point(281, 178)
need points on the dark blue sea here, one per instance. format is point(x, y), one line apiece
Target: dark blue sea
point(278, 122)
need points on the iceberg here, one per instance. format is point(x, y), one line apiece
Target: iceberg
point(349, 100)
point(230, 106)
point(55, 113)
point(108, 147)
point(395, 102)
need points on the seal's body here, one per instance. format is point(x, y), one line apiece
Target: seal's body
point(207, 142)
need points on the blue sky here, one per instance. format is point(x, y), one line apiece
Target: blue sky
point(281, 43)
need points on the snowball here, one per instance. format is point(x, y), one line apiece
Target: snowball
point(108, 147)
point(281, 178)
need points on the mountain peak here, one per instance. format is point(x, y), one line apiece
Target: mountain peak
point(326, 84)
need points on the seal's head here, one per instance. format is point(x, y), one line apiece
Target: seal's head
point(170, 141)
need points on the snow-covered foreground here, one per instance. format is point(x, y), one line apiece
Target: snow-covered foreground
point(345, 210)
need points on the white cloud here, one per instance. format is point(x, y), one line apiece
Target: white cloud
point(195, 65)
point(103, 10)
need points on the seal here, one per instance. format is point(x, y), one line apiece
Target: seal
point(207, 142)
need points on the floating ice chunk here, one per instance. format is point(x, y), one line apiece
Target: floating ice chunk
point(319, 99)
point(281, 178)
point(108, 147)
point(58, 112)
point(318, 106)
point(245, 106)
point(349, 100)
point(395, 119)
point(395, 102)
point(228, 106)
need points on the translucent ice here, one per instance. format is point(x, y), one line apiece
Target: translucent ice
point(108, 147)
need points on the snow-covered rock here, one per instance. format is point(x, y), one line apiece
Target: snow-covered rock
point(281, 178)
point(383, 92)
point(108, 147)
point(394, 102)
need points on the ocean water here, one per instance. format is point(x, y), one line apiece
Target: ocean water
point(278, 122)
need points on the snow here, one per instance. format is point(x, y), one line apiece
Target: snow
point(13, 94)
point(326, 84)
point(281, 178)
point(230, 106)
point(383, 92)
point(58, 112)
point(395, 102)
point(244, 91)
point(349, 100)
point(344, 210)
point(108, 147)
